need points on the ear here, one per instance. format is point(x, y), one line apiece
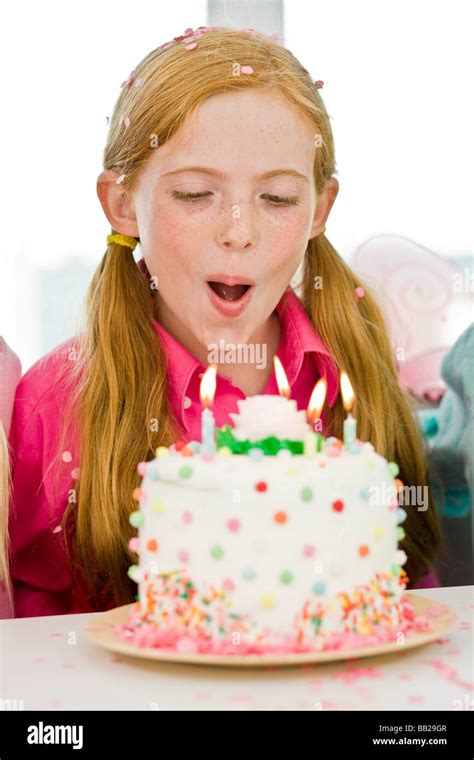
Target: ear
point(323, 207)
point(117, 204)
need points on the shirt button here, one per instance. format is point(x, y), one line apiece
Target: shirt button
point(187, 402)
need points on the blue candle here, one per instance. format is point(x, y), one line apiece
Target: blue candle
point(208, 425)
point(350, 430)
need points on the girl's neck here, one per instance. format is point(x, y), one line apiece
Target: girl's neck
point(251, 378)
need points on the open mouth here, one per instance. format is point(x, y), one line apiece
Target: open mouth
point(228, 292)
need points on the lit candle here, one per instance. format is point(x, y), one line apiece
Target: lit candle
point(350, 423)
point(206, 393)
point(316, 403)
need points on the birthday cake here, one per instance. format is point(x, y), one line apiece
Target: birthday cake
point(270, 542)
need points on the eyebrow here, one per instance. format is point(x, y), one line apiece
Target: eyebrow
point(222, 175)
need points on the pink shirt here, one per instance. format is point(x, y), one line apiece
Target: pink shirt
point(40, 571)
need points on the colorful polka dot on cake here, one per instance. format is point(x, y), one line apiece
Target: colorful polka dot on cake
point(217, 551)
point(136, 519)
point(280, 517)
point(158, 506)
point(233, 524)
point(286, 576)
point(267, 601)
point(378, 531)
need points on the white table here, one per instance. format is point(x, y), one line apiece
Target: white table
point(49, 664)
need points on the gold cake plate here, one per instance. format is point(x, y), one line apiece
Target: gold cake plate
point(100, 631)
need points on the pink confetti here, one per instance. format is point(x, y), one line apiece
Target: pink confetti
point(134, 544)
point(415, 699)
point(187, 516)
point(191, 46)
point(75, 473)
point(240, 697)
point(308, 550)
point(66, 456)
point(125, 120)
point(119, 181)
point(360, 292)
point(57, 529)
point(246, 70)
point(354, 674)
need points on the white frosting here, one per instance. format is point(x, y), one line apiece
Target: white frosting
point(224, 489)
point(264, 415)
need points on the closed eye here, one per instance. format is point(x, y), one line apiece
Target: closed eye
point(276, 200)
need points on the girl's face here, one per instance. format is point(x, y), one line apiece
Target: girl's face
point(230, 195)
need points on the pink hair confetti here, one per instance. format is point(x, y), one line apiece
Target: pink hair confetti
point(128, 82)
point(125, 120)
point(120, 179)
point(246, 70)
point(359, 292)
point(319, 84)
point(191, 46)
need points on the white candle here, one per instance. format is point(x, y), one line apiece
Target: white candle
point(350, 424)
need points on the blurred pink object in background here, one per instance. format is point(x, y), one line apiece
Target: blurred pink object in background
point(426, 304)
point(10, 374)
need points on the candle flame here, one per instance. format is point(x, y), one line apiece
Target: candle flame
point(282, 381)
point(348, 396)
point(207, 388)
point(316, 402)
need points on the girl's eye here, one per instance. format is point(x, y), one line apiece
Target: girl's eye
point(191, 196)
point(276, 200)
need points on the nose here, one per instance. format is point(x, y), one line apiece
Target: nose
point(238, 232)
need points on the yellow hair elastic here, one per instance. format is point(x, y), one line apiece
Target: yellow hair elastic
point(122, 240)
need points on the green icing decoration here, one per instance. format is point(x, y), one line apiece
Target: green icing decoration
point(270, 446)
point(306, 493)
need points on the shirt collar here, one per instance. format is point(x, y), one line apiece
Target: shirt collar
point(298, 337)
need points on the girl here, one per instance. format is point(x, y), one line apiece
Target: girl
point(220, 161)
